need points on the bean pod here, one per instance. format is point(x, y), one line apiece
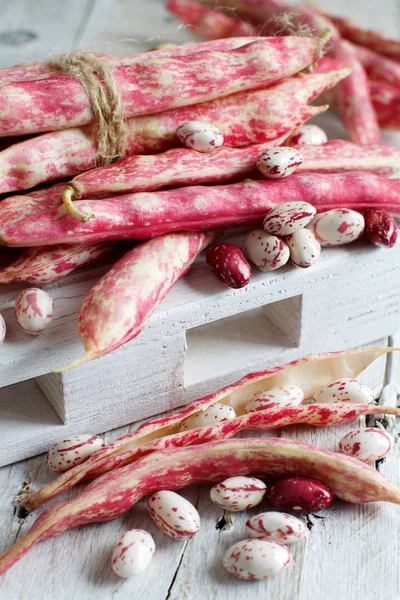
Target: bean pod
point(238, 493)
point(175, 515)
point(133, 553)
point(73, 451)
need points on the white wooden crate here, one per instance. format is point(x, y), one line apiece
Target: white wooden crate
point(202, 337)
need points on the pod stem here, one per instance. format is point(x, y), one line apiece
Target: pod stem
point(68, 196)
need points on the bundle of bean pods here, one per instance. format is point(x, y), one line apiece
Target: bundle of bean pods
point(242, 132)
point(367, 99)
point(194, 445)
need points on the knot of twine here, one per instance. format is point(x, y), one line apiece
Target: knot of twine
point(98, 82)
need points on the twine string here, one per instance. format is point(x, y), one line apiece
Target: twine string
point(98, 82)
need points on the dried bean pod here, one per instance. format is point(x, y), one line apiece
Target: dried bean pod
point(187, 167)
point(262, 115)
point(378, 67)
point(142, 216)
point(308, 373)
point(164, 84)
point(349, 479)
point(43, 266)
point(207, 23)
point(354, 99)
point(366, 37)
point(136, 283)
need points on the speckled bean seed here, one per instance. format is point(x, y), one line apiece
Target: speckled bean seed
point(266, 251)
point(277, 526)
point(281, 395)
point(337, 227)
point(277, 163)
point(304, 248)
point(256, 559)
point(213, 414)
point(133, 553)
point(289, 217)
point(308, 135)
point(34, 310)
point(73, 451)
point(175, 515)
point(300, 494)
point(199, 136)
point(368, 444)
point(344, 390)
point(380, 227)
point(2, 330)
point(238, 493)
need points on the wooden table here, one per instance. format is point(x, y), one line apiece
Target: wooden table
point(352, 553)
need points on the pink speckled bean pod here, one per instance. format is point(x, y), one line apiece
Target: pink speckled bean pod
point(42, 266)
point(114, 493)
point(309, 373)
point(187, 167)
point(147, 214)
point(39, 70)
point(354, 99)
point(71, 151)
point(207, 23)
point(175, 167)
point(339, 156)
point(378, 67)
point(386, 100)
point(244, 119)
point(14, 208)
point(156, 84)
point(365, 37)
point(122, 301)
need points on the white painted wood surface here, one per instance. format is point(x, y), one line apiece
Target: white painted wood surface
point(353, 553)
